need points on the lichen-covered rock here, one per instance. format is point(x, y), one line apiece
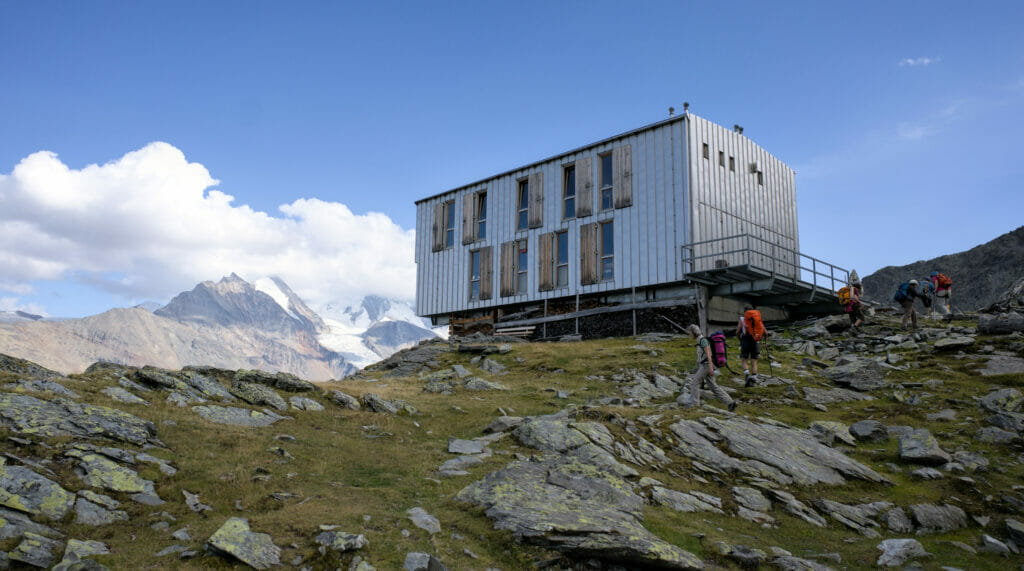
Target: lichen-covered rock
point(502, 424)
point(100, 472)
point(549, 434)
point(783, 454)
point(26, 368)
point(858, 374)
point(751, 498)
point(16, 524)
point(343, 400)
point(493, 367)
point(478, 384)
point(993, 435)
point(193, 503)
point(1000, 323)
point(922, 448)
point(938, 519)
point(121, 395)
point(419, 561)
point(341, 541)
point(40, 386)
point(829, 431)
point(281, 380)
point(303, 403)
point(254, 549)
point(207, 387)
point(36, 550)
point(77, 551)
point(26, 414)
point(896, 552)
point(373, 402)
point(89, 513)
point(1003, 400)
point(953, 343)
point(828, 396)
point(747, 557)
point(253, 393)
point(421, 519)
point(578, 508)
point(857, 518)
point(24, 490)
point(795, 507)
point(683, 502)
point(237, 416)
point(897, 521)
point(791, 563)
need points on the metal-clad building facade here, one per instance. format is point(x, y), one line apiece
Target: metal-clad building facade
point(670, 192)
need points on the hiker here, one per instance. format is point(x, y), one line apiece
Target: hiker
point(943, 291)
point(927, 291)
point(905, 295)
point(856, 306)
point(750, 330)
point(706, 372)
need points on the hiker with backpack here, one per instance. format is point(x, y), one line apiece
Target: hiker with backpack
point(943, 291)
point(927, 292)
point(750, 330)
point(707, 368)
point(905, 294)
point(849, 298)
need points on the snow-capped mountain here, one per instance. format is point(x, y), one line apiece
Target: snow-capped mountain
point(374, 329)
point(18, 316)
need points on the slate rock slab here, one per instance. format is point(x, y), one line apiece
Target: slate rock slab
point(869, 431)
point(121, 395)
point(478, 384)
point(683, 502)
point(565, 504)
point(101, 472)
point(26, 368)
point(344, 400)
point(37, 550)
point(953, 343)
point(922, 448)
point(1000, 323)
point(460, 446)
point(1003, 365)
point(253, 393)
point(61, 417)
point(237, 416)
point(88, 513)
point(896, 552)
point(931, 518)
point(421, 519)
point(1003, 400)
point(77, 551)
point(828, 396)
point(307, 404)
point(16, 524)
point(24, 490)
point(234, 538)
point(858, 374)
point(993, 435)
point(281, 380)
point(341, 541)
point(40, 386)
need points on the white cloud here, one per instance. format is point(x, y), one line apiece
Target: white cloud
point(149, 225)
point(919, 61)
point(15, 304)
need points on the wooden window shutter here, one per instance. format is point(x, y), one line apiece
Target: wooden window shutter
point(588, 254)
point(584, 187)
point(506, 279)
point(535, 215)
point(486, 273)
point(545, 262)
point(468, 218)
point(623, 160)
point(438, 228)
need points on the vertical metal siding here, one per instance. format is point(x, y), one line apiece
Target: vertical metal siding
point(678, 198)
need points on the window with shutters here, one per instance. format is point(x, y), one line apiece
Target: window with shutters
point(561, 259)
point(521, 267)
point(474, 275)
point(607, 250)
point(569, 192)
point(481, 215)
point(523, 211)
point(606, 181)
point(449, 223)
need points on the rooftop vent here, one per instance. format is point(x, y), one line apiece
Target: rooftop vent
point(738, 129)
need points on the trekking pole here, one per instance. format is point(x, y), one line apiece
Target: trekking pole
point(768, 354)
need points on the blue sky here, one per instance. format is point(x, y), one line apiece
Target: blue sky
point(902, 120)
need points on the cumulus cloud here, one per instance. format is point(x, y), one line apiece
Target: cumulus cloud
point(919, 61)
point(150, 224)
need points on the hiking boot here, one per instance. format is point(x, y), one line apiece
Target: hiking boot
point(751, 379)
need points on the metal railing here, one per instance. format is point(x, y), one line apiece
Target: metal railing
point(749, 250)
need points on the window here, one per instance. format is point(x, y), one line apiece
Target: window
point(606, 181)
point(474, 274)
point(732, 164)
point(562, 259)
point(521, 267)
point(569, 192)
point(706, 151)
point(449, 224)
point(523, 211)
point(721, 159)
point(607, 250)
point(481, 216)
point(760, 178)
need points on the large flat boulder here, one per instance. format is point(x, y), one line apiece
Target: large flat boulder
point(1000, 323)
point(61, 417)
point(256, 550)
point(24, 490)
point(236, 416)
point(858, 374)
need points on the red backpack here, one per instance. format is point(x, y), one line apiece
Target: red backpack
point(944, 281)
point(755, 327)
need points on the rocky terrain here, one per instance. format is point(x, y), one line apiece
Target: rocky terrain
point(231, 324)
point(853, 450)
point(980, 275)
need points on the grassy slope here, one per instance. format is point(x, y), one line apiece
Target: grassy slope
point(342, 476)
